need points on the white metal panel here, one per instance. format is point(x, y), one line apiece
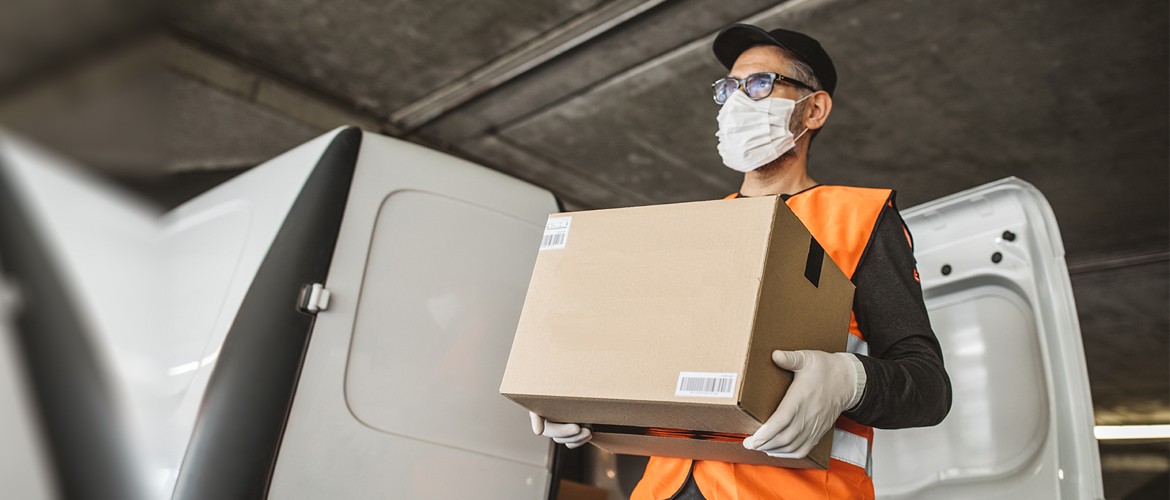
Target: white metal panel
point(1021, 424)
point(158, 291)
point(212, 246)
point(445, 283)
point(448, 330)
point(104, 244)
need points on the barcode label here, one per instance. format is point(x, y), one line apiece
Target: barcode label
point(551, 240)
point(705, 385)
point(556, 233)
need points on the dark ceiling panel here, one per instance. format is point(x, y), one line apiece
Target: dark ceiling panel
point(196, 138)
point(381, 55)
point(652, 131)
point(160, 122)
point(1123, 314)
point(650, 35)
point(580, 188)
point(935, 97)
point(37, 35)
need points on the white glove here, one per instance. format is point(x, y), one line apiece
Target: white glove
point(824, 386)
point(571, 435)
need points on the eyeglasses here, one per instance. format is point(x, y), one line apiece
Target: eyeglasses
point(757, 86)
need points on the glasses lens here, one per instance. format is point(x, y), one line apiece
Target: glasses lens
point(723, 89)
point(759, 85)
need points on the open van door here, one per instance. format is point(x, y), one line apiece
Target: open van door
point(67, 242)
point(399, 392)
point(997, 289)
point(365, 357)
point(114, 315)
point(196, 354)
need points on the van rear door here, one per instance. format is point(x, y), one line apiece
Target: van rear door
point(398, 395)
point(995, 282)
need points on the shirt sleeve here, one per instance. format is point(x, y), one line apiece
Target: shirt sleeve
point(907, 385)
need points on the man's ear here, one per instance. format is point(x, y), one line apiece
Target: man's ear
point(817, 111)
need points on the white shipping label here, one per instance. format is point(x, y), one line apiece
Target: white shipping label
point(556, 233)
point(705, 385)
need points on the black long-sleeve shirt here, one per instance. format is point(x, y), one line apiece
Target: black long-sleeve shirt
point(906, 384)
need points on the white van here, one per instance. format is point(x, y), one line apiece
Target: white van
point(335, 322)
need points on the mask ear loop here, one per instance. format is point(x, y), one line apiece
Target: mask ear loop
point(798, 136)
point(801, 134)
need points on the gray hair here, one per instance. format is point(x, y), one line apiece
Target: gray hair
point(799, 70)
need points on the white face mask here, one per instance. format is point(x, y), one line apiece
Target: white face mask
point(753, 133)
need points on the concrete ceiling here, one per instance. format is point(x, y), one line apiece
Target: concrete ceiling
point(35, 35)
point(935, 97)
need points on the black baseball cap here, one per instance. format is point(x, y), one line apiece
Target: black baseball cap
point(735, 39)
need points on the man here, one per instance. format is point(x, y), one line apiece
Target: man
point(779, 88)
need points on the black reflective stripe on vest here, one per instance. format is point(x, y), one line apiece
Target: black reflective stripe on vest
point(74, 402)
point(236, 438)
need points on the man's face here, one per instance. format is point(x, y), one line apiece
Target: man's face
point(765, 59)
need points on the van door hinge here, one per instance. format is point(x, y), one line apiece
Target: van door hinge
point(313, 298)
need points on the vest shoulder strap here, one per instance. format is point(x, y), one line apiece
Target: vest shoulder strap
point(842, 219)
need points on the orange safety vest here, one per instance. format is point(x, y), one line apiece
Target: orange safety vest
point(842, 219)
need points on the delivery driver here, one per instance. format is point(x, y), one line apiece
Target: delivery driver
point(780, 88)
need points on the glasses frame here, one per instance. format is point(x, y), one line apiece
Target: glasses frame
point(741, 83)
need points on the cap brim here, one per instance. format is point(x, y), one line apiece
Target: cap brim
point(737, 38)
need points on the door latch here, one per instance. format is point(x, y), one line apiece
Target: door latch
point(313, 298)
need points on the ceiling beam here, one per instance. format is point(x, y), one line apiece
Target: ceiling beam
point(557, 41)
point(1085, 265)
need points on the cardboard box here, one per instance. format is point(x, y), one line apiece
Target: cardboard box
point(655, 325)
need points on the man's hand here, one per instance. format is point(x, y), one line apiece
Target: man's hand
point(824, 386)
point(571, 435)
